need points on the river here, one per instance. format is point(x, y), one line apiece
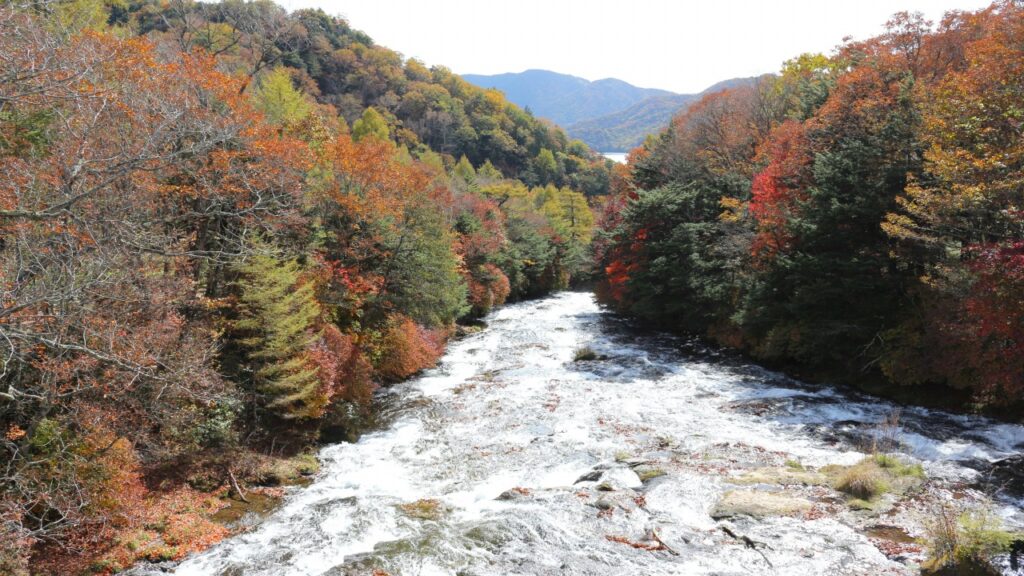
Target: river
point(475, 468)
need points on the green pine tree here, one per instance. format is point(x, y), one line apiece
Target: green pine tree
point(464, 170)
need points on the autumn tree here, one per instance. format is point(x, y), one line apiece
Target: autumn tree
point(960, 222)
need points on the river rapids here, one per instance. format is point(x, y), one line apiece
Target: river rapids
point(513, 458)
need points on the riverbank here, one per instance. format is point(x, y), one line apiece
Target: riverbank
point(185, 508)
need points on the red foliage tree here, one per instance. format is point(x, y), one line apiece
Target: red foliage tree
point(778, 189)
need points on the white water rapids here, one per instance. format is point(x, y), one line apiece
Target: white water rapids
point(509, 408)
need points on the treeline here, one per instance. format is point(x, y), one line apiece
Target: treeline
point(857, 217)
point(202, 263)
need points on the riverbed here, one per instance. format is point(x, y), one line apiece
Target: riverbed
point(524, 454)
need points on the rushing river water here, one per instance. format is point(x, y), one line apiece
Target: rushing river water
point(485, 453)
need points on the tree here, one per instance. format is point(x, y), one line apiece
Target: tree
point(277, 318)
point(779, 189)
point(546, 166)
point(370, 124)
point(959, 223)
point(489, 174)
point(805, 305)
point(464, 170)
point(420, 274)
point(277, 98)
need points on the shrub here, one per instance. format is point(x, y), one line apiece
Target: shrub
point(964, 543)
point(214, 424)
point(488, 288)
point(13, 553)
point(887, 434)
point(650, 474)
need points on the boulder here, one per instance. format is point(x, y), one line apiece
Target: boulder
point(758, 504)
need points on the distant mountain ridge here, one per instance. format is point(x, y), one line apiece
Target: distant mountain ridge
point(562, 98)
point(626, 129)
point(609, 115)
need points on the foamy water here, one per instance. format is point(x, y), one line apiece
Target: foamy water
point(508, 408)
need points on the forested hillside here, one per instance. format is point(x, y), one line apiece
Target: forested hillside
point(857, 217)
point(222, 226)
point(341, 66)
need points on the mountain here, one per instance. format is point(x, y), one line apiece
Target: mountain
point(626, 129)
point(565, 99)
point(609, 115)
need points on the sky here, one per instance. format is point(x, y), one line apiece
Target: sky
point(682, 45)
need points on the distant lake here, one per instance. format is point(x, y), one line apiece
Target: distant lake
point(619, 157)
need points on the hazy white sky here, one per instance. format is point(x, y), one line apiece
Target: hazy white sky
point(680, 45)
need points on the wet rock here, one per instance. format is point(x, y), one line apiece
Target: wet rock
point(890, 533)
point(513, 494)
point(1006, 476)
point(782, 476)
point(758, 504)
point(648, 473)
point(592, 476)
point(424, 509)
point(462, 331)
point(753, 407)
point(675, 537)
point(634, 462)
point(620, 478)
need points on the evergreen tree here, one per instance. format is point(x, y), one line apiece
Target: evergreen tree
point(546, 166)
point(277, 326)
point(421, 276)
point(464, 170)
point(488, 173)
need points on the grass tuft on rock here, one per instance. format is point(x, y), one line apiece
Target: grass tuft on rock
point(864, 481)
point(583, 354)
point(897, 467)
